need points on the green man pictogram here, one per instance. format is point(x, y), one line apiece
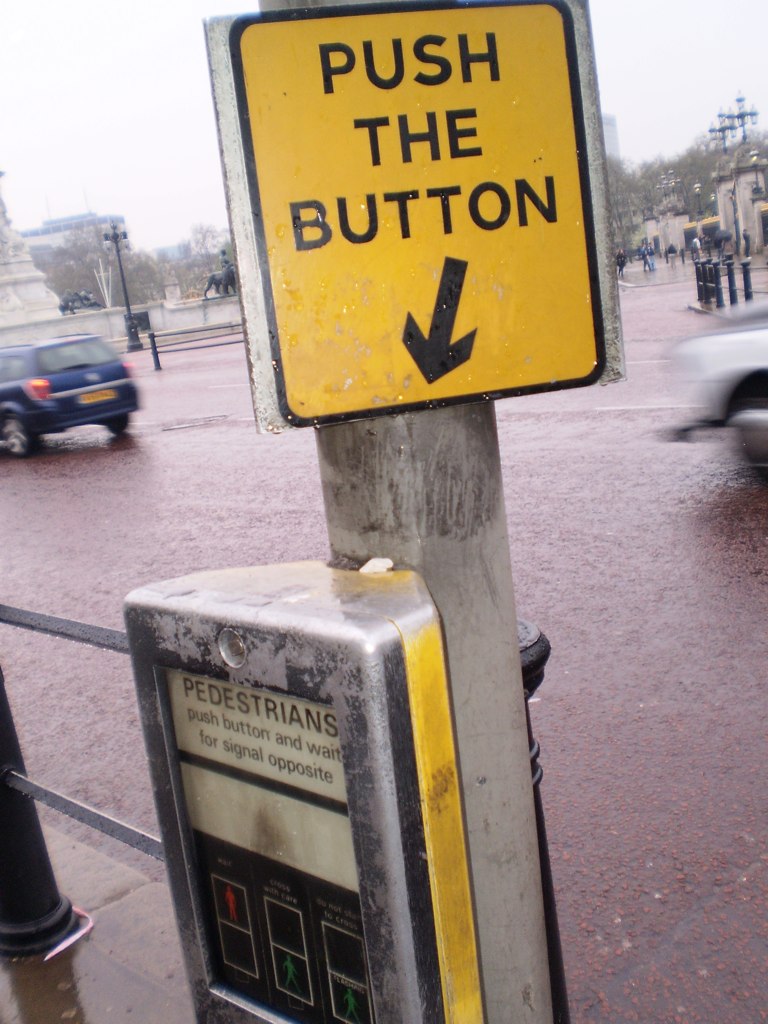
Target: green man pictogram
point(291, 975)
point(351, 1007)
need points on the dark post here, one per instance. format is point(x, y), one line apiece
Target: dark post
point(719, 298)
point(708, 271)
point(117, 238)
point(534, 654)
point(153, 346)
point(34, 916)
point(746, 267)
point(699, 271)
point(733, 295)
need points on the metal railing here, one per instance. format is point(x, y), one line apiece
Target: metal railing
point(34, 916)
point(185, 337)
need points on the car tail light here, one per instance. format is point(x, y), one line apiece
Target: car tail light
point(128, 367)
point(38, 388)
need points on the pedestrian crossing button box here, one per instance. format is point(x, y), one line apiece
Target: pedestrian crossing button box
point(299, 733)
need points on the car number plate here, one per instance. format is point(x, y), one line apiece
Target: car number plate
point(97, 396)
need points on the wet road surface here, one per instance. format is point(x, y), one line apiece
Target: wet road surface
point(644, 561)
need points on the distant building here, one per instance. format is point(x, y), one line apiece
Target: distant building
point(611, 134)
point(180, 251)
point(54, 233)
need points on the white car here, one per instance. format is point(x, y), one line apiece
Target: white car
point(729, 370)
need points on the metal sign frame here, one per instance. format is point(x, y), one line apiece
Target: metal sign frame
point(271, 374)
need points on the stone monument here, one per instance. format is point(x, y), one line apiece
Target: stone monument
point(24, 295)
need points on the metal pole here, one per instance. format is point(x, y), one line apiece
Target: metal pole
point(746, 268)
point(534, 654)
point(153, 346)
point(733, 295)
point(34, 916)
point(425, 490)
point(134, 341)
point(719, 298)
point(709, 281)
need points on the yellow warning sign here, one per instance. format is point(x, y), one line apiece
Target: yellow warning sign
point(421, 205)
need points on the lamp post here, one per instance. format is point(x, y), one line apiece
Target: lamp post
point(741, 117)
point(697, 192)
point(722, 129)
point(118, 239)
point(734, 197)
point(668, 184)
point(730, 123)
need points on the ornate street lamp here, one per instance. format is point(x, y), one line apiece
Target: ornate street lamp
point(118, 239)
point(721, 129)
point(734, 197)
point(741, 117)
point(730, 123)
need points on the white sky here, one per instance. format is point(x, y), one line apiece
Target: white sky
point(106, 106)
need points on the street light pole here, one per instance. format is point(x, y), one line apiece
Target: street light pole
point(741, 117)
point(117, 238)
point(697, 192)
point(730, 123)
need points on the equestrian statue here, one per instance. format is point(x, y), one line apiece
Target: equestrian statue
point(70, 302)
point(223, 280)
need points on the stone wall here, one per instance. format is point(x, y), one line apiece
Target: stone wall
point(109, 323)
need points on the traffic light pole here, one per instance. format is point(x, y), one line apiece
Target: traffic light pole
point(425, 490)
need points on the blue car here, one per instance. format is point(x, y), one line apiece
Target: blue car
point(49, 386)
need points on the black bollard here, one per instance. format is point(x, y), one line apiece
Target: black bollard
point(699, 271)
point(34, 916)
point(153, 346)
point(746, 267)
point(733, 294)
point(709, 281)
point(534, 653)
point(719, 297)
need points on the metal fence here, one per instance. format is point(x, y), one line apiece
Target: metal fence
point(34, 916)
point(189, 338)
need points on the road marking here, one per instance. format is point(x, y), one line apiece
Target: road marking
point(638, 408)
point(199, 422)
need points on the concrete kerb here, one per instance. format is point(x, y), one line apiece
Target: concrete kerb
point(128, 969)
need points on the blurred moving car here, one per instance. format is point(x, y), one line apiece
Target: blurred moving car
point(49, 386)
point(729, 369)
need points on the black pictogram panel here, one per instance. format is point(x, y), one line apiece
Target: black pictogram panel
point(283, 938)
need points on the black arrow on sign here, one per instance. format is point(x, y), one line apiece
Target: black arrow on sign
point(435, 355)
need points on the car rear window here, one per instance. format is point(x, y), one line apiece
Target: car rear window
point(12, 368)
point(74, 355)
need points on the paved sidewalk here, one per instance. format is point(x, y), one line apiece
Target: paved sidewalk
point(684, 273)
point(128, 969)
